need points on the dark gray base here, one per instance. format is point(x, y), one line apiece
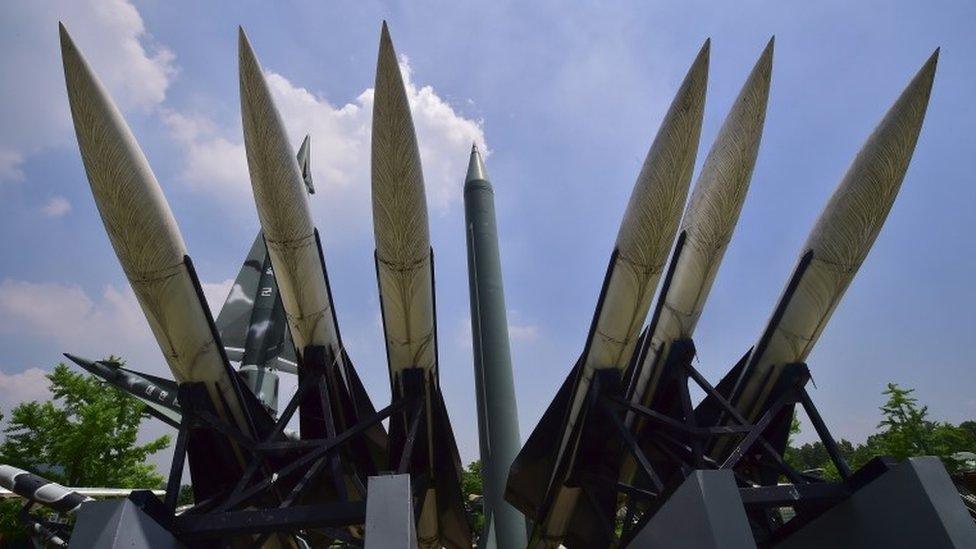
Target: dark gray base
point(913, 505)
point(705, 512)
point(118, 523)
point(389, 513)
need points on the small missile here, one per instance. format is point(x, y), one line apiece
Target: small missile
point(706, 227)
point(646, 234)
point(159, 395)
point(836, 247)
point(404, 271)
point(38, 489)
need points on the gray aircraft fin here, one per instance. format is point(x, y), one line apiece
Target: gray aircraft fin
point(235, 316)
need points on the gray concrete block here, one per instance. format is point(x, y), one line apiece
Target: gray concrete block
point(118, 523)
point(913, 505)
point(389, 513)
point(705, 512)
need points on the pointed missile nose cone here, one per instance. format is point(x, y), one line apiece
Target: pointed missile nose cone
point(655, 205)
point(476, 167)
point(92, 366)
point(399, 201)
point(279, 190)
point(84, 363)
point(136, 216)
point(724, 179)
point(859, 206)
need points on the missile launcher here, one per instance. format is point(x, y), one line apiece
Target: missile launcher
point(541, 481)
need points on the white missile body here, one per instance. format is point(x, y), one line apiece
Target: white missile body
point(707, 226)
point(281, 197)
point(641, 251)
point(403, 254)
point(838, 243)
point(404, 271)
point(146, 238)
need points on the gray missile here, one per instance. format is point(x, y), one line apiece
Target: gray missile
point(706, 228)
point(837, 246)
point(147, 240)
point(646, 234)
point(159, 395)
point(497, 411)
point(404, 271)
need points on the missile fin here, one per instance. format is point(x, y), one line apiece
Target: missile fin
point(528, 479)
point(235, 315)
point(305, 164)
point(454, 531)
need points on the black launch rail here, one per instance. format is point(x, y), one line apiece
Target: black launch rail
point(675, 442)
point(270, 497)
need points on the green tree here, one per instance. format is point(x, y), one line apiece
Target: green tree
point(85, 435)
point(471, 485)
point(907, 431)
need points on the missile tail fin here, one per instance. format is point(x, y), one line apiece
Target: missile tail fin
point(375, 439)
point(454, 530)
point(528, 478)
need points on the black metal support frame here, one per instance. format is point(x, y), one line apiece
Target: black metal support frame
point(677, 441)
point(278, 472)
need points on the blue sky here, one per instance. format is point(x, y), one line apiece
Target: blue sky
point(567, 101)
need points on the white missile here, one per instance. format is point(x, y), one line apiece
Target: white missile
point(646, 234)
point(147, 240)
point(838, 244)
point(281, 198)
point(404, 271)
point(403, 254)
point(706, 227)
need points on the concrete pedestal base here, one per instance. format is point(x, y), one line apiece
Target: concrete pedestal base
point(913, 505)
point(705, 512)
point(389, 513)
point(118, 523)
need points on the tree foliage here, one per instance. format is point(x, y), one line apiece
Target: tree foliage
point(904, 431)
point(85, 435)
point(471, 485)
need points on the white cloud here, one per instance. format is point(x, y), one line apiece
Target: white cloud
point(523, 332)
point(110, 33)
point(216, 293)
point(10, 163)
point(22, 387)
point(56, 207)
point(215, 162)
point(66, 318)
point(65, 314)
